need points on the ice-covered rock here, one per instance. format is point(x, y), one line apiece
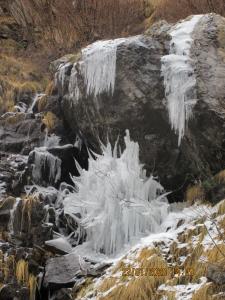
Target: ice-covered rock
point(141, 104)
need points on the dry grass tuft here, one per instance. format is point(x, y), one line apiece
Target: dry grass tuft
point(204, 292)
point(32, 285)
point(22, 273)
point(49, 88)
point(42, 102)
point(50, 120)
point(216, 254)
point(194, 193)
point(221, 208)
point(107, 284)
point(28, 205)
point(15, 118)
point(220, 177)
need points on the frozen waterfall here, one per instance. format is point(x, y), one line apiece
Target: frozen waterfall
point(179, 77)
point(116, 203)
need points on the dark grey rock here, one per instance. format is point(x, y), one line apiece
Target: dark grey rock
point(216, 274)
point(62, 271)
point(20, 133)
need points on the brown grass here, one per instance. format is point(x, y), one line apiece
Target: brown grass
point(205, 292)
point(50, 120)
point(67, 23)
point(174, 10)
point(194, 193)
point(42, 102)
point(16, 79)
point(220, 177)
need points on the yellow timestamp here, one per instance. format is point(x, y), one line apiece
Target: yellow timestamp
point(156, 272)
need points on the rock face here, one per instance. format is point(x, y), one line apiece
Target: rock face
point(137, 101)
point(20, 132)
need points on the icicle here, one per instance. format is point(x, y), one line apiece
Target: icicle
point(179, 77)
point(35, 100)
point(12, 215)
point(74, 91)
point(115, 203)
point(97, 68)
point(60, 76)
point(43, 160)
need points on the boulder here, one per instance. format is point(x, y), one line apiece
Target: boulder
point(216, 274)
point(20, 133)
point(62, 271)
point(50, 166)
point(139, 102)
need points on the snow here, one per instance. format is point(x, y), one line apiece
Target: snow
point(184, 292)
point(179, 78)
point(116, 204)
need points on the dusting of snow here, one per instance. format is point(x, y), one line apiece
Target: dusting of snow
point(116, 202)
point(179, 76)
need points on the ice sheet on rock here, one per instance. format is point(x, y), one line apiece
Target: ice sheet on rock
point(45, 162)
point(116, 203)
point(51, 140)
point(61, 244)
point(96, 68)
point(179, 77)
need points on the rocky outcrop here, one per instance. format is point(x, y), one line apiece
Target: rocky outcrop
point(139, 102)
point(20, 132)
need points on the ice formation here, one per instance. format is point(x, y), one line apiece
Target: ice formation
point(45, 164)
point(51, 140)
point(116, 203)
point(179, 77)
point(12, 215)
point(97, 68)
point(35, 100)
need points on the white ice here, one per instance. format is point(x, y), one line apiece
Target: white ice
point(179, 76)
point(116, 203)
point(44, 160)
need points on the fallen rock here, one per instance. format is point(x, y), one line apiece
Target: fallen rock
point(216, 274)
point(58, 246)
point(62, 271)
